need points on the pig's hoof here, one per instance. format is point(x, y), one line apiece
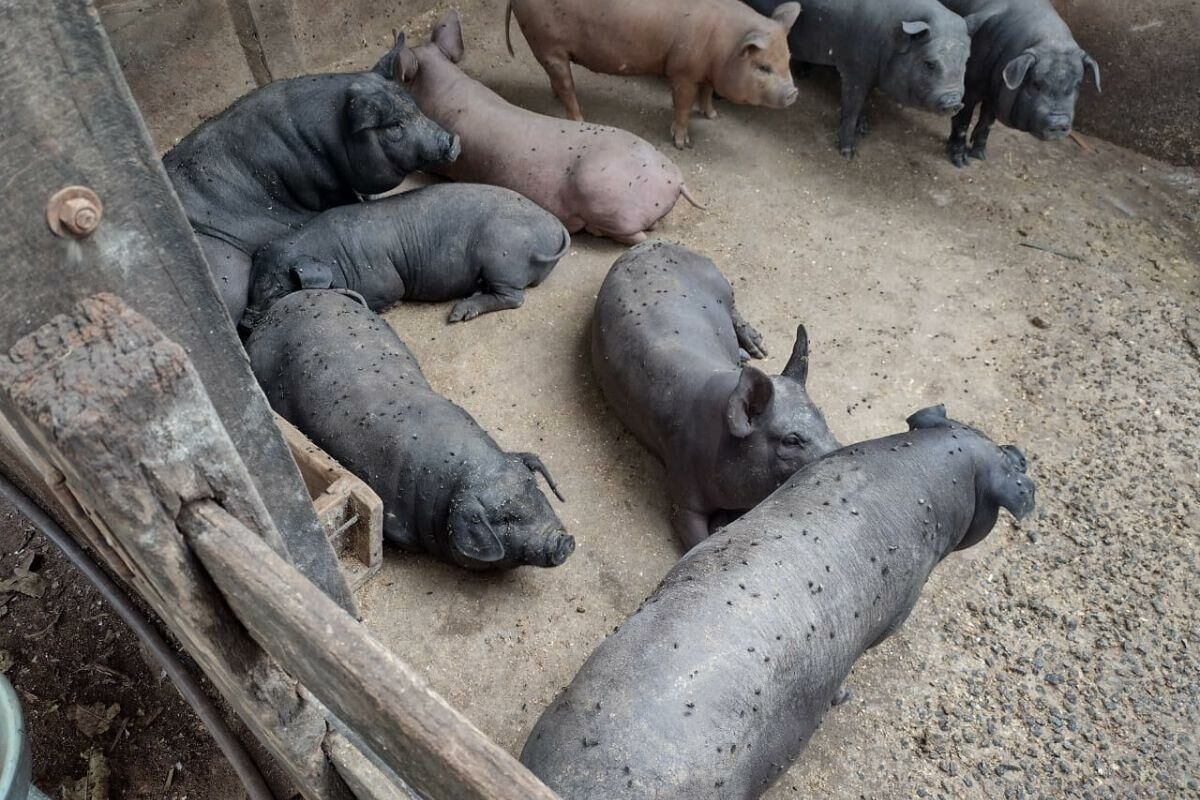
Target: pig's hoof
point(462, 312)
point(849, 152)
point(843, 695)
point(680, 137)
point(978, 152)
point(958, 157)
point(711, 113)
point(743, 357)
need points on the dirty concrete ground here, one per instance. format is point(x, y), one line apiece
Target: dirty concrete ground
point(1050, 296)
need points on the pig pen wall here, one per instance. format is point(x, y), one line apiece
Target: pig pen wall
point(187, 59)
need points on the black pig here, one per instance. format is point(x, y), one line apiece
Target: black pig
point(1025, 70)
point(290, 150)
point(481, 243)
point(714, 687)
point(336, 371)
point(667, 348)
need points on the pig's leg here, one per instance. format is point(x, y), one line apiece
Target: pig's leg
point(684, 95)
point(979, 136)
point(563, 83)
point(706, 102)
point(956, 145)
point(854, 97)
point(750, 340)
point(498, 299)
point(691, 527)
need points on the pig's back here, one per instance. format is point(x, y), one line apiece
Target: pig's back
point(663, 326)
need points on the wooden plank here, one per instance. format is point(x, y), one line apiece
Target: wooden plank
point(432, 747)
point(68, 119)
point(120, 412)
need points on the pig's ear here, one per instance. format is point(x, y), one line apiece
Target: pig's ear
point(786, 15)
point(447, 35)
point(471, 534)
point(386, 65)
point(914, 28)
point(931, 417)
point(750, 400)
point(1090, 63)
point(753, 42)
point(1016, 70)
point(797, 366)
point(368, 106)
point(406, 66)
point(975, 21)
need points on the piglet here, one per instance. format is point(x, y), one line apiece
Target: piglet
point(701, 46)
point(595, 178)
point(481, 243)
point(1025, 70)
point(714, 687)
point(336, 371)
point(667, 349)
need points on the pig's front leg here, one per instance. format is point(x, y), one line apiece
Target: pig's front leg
point(498, 299)
point(854, 98)
point(956, 145)
point(690, 526)
point(684, 95)
point(979, 136)
point(748, 338)
point(706, 102)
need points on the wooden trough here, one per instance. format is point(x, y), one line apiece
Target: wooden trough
point(128, 411)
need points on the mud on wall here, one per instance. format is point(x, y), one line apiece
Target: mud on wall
point(187, 59)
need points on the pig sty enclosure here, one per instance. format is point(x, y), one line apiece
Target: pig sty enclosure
point(1049, 295)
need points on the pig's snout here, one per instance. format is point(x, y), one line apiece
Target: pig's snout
point(451, 148)
point(950, 103)
point(1057, 126)
point(550, 549)
point(789, 96)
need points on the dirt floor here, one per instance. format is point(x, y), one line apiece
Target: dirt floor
point(1050, 296)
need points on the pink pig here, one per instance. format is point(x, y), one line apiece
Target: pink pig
point(606, 181)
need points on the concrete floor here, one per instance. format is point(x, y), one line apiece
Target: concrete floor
point(1056, 659)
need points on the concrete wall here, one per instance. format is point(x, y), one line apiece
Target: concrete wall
point(185, 61)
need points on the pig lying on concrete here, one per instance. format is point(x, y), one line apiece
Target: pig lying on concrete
point(667, 348)
point(482, 243)
point(603, 180)
point(337, 372)
point(289, 150)
point(712, 689)
point(1025, 70)
point(915, 51)
point(701, 46)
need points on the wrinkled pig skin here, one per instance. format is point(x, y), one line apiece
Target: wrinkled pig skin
point(667, 349)
point(442, 242)
point(702, 46)
point(290, 150)
point(915, 51)
point(714, 687)
point(1025, 70)
point(592, 177)
point(336, 371)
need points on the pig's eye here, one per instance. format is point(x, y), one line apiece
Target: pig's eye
point(793, 440)
point(931, 66)
point(394, 132)
point(765, 68)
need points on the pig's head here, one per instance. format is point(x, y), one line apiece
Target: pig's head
point(1041, 86)
point(387, 136)
point(773, 428)
point(1000, 479)
point(501, 519)
point(928, 65)
point(758, 71)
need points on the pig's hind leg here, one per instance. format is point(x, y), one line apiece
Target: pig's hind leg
point(979, 136)
point(558, 67)
point(706, 102)
point(498, 299)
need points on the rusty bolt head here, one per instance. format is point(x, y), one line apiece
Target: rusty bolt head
point(74, 211)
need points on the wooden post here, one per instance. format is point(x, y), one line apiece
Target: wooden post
point(68, 120)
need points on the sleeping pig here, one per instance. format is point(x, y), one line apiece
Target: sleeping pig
point(336, 371)
point(1025, 70)
point(915, 51)
point(667, 349)
point(714, 687)
point(443, 242)
point(289, 150)
point(603, 180)
point(701, 46)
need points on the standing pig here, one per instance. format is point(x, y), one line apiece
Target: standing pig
point(289, 150)
point(595, 178)
point(1025, 70)
point(914, 50)
point(701, 46)
point(667, 348)
point(713, 688)
point(482, 243)
point(337, 372)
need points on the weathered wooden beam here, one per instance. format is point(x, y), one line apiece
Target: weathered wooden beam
point(119, 411)
point(68, 118)
point(266, 30)
point(436, 750)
